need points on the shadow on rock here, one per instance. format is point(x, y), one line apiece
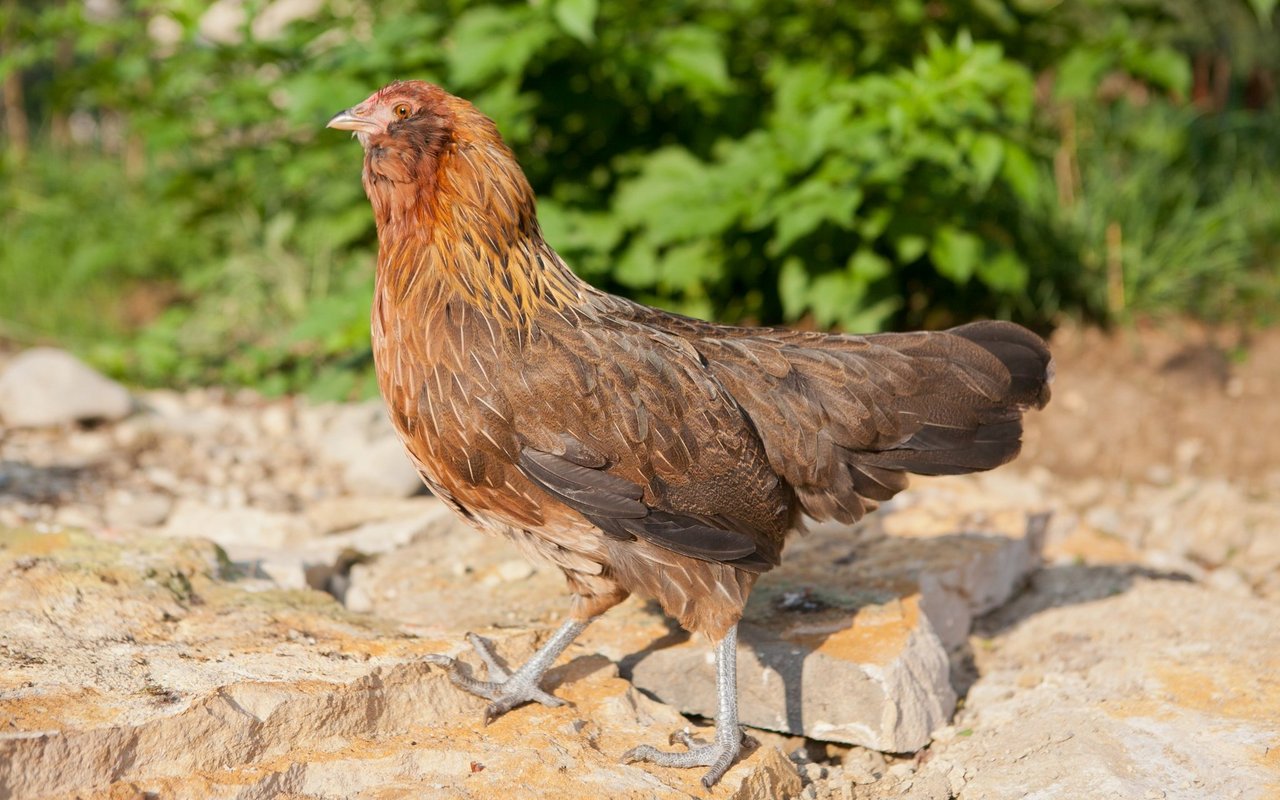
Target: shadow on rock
point(1066, 585)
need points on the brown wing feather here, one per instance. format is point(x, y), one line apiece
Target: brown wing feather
point(623, 425)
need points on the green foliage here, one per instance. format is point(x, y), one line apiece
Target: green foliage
point(1189, 201)
point(848, 181)
point(183, 216)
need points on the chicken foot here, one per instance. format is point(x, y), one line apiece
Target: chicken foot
point(505, 688)
point(721, 753)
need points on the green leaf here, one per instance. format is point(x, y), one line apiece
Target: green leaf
point(690, 57)
point(489, 42)
point(986, 153)
point(1004, 272)
point(955, 254)
point(835, 296)
point(577, 18)
point(868, 266)
point(909, 247)
point(800, 211)
point(675, 198)
point(793, 288)
point(1021, 173)
point(1080, 71)
point(638, 267)
point(691, 266)
point(1163, 66)
point(1263, 8)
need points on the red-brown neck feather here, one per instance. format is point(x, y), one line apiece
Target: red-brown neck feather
point(456, 217)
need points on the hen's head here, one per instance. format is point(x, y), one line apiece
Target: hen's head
point(425, 147)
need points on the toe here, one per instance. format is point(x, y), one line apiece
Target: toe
point(484, 648)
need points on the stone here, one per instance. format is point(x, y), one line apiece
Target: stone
point(220, 689)
point(250, 529)
point(449, 577)
point(45, 386)
point(359, 439)
point(878, 677)
point(1165, 689)
point(337, 514)
point(137, 510)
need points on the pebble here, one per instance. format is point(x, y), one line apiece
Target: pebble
point(515, 570)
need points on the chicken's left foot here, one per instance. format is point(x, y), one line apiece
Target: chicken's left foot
point(505, 688)
point(720, 754)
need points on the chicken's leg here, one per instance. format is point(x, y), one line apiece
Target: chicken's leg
point(728, 742)
point(510, 689)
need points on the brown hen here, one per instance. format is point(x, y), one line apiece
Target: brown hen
point(637, 450)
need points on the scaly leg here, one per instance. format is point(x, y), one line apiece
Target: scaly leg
point(510, 689)
point(721, 753)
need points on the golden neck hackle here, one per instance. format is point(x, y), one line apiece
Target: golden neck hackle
point(467, 228)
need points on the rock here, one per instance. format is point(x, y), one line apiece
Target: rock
point(336, 514)
point(877, 677)
point(215, 691)
point(449, 578)
point(250, 529)
point(137, 510)
point(45, 386)
point(1164, 690)
point(359, 439)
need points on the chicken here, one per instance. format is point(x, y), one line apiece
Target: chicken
point(637, 450)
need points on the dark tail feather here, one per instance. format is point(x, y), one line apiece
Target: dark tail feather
point(972, 432)
point(1024, 354)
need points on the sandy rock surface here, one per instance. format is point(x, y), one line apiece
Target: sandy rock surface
point(203, 600)
point(132, 665)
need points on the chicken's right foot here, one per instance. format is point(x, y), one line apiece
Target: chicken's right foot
point(507, 689)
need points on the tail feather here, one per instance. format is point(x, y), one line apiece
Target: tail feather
point(844, 418)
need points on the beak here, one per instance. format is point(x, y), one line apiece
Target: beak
point(348, 120)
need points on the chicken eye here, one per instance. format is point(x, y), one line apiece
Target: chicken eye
point(401, 111)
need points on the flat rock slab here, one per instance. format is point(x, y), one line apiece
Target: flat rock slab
point(872, 609)
point(130, 669)
point(876, 676)
point(1165, 690)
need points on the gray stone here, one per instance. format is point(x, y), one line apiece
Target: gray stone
point(360, 441)
point(234, 528)
point(137, 510)
point(877, 678)
point(45, 386)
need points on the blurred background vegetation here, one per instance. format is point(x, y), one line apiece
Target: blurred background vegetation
point(174, 210)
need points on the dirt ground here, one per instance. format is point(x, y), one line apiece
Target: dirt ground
point(1157, 402)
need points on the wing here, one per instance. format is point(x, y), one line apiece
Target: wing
point(615, 505)
point(625, 426)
